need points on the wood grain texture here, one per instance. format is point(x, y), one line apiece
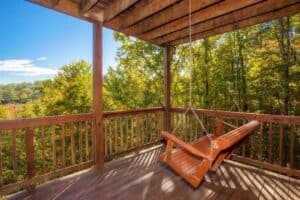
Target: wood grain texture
point(167, 87)
point(166, 22)
point(98, 93)
point(144, 177)
point(233, 17)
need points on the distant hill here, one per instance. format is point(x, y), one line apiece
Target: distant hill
point(19, 93)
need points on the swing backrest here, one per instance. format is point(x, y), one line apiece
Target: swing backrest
point(235, 136)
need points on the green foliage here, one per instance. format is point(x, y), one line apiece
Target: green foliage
point(4, 113)
point(137, 81)
point(69, 92)
point(19, 93)
point(255, 69)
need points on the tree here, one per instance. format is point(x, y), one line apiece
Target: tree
point(137, 80)
point(70, 91)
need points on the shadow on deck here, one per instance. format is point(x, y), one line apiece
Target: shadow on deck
point(144, 177)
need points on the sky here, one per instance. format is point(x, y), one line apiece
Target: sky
point(35, 42)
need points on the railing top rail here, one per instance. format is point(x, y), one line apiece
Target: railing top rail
point(131, 112)
point(52, 120)
point(281, 119)
point(43, 121)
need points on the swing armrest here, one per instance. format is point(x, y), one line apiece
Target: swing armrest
point(186, 146)
point(229, 125)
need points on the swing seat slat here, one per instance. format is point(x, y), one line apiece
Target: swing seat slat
point(193, 160)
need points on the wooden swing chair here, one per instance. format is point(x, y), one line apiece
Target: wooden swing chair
point(193, 160)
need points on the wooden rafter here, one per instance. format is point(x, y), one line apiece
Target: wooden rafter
point(150, 8)
point(117, 7)
point(87, 5)
point(68, 7)
point(54, 3)
point(223, 20)
point(219, 9)
point(165, 16)
point(290, 10)
point(166, 22)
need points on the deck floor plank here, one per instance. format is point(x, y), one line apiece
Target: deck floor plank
point(144, 177)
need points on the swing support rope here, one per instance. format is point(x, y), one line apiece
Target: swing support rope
point(190, 68)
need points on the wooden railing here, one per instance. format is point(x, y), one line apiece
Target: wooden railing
point(127, 131)
point(35, 150)
point(38, 149)
point(274, 146)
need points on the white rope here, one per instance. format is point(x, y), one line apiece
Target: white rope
point(190, 67)
point(190, 56)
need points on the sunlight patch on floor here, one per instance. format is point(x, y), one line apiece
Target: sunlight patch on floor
point(167, 185)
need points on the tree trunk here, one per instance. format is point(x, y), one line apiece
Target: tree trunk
point(244, 95)
point(284, 42)
point(206, 63)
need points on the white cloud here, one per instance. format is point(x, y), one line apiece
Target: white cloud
point(41, 59)
point(25, 67)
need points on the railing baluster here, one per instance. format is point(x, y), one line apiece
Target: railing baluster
point(132, 120)
point(116, 135)
point(280, 144)
point(292, 145)
point(87, 141)
point(251, 146)
point(1, 168)
point(127, 134)
point(138, 142)
point(53, 146)
point(110, 137)
point(142, 129)
point(270, 141)
point(72, 143)
point(80, 141)
point(43, 149)
point(161, 125)
point(92, 140)
point(63, 145)
point(149, 127)
point(122, 133)
point(14, 153)
point(260, 141)
point(29, 155)
point(105, 138)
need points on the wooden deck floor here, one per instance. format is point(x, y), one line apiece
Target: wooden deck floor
point(144, 177)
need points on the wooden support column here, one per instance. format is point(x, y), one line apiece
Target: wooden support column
point(98, 95)
point(167, 87)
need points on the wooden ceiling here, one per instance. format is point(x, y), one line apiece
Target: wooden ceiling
point(166, 22)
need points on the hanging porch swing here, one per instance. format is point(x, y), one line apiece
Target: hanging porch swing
point(193, 160)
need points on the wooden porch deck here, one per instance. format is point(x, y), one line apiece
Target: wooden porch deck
point(144, 177)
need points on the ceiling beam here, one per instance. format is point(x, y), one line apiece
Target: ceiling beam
point(290, 10)
point(241, 14)
point(68, 7)
point(87, 5)
point(140, 13)
point(117, 7)
point(221, 8)
point(174, 12)
point(54, 3)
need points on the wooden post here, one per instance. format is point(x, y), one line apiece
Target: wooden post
point(167, 87)
point(98, 95)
